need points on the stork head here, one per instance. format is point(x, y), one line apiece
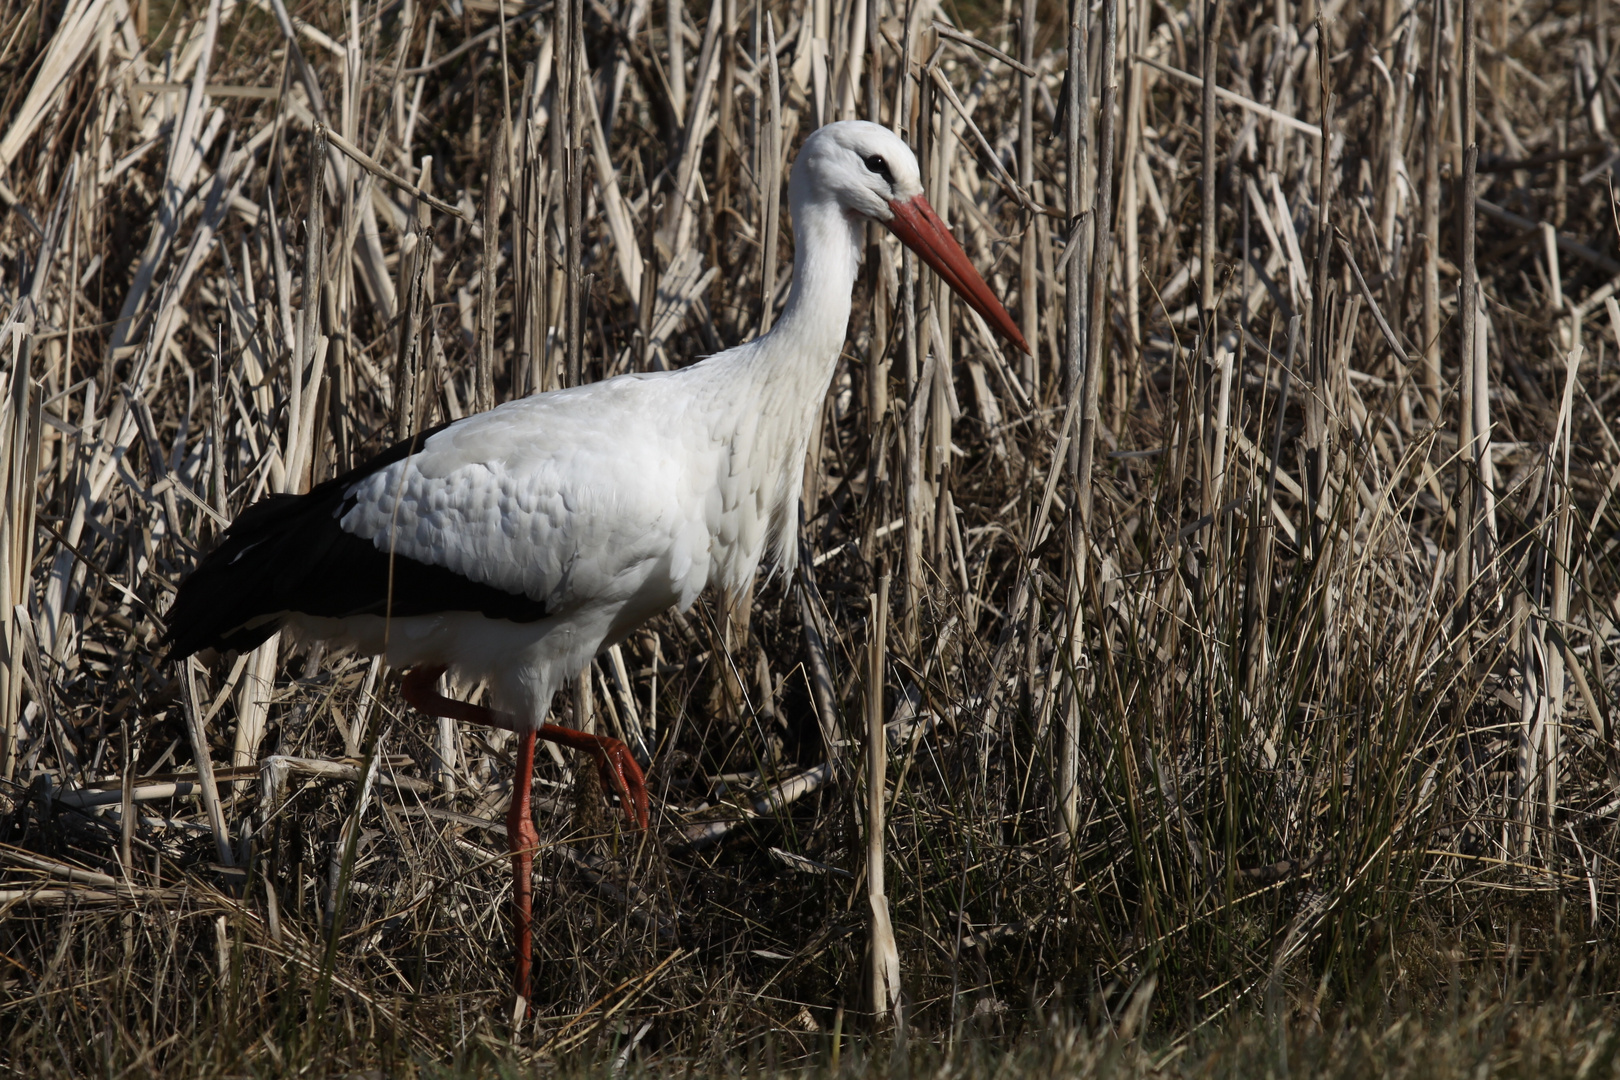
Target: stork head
point(871, 172)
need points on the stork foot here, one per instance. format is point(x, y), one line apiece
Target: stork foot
point(614, 762)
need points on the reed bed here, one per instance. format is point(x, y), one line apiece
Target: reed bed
point(1242, 659)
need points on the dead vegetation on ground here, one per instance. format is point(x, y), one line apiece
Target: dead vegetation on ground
point(1249, 648)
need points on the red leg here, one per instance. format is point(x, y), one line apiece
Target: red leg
point(613, 759)
point(619, 772)
point(421, 691)
point(618, 767)
point(521, 840)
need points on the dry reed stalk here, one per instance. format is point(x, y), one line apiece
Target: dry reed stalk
point(1136, 23)
point(769, 171)
point(1028, 302)
point(885, 956)
point(1467, 436)
point(1102, 254)
point(675, 36)
point(1069, 734)
point(20, 443)
point(1213, 10)
point(205, 772)
point(1433, 125)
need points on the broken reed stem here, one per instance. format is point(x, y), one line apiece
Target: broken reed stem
point(885, 985)
point(365, 161)
point(205, 766)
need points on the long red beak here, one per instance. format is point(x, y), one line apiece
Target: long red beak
point(921, 230)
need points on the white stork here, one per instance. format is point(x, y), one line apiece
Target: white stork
point(514, 545)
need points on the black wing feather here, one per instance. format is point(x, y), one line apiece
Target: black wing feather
point(287, 553)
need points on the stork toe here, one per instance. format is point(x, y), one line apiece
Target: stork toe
point(621, 773)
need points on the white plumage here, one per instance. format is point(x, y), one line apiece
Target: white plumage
point(617, 500)
point(608, 503)
point(512, 546)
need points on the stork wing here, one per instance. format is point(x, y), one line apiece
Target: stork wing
point(527, 511)
point(583, 496)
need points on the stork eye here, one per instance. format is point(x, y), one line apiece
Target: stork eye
point(876, 163)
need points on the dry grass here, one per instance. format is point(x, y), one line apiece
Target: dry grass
point(1283, 742)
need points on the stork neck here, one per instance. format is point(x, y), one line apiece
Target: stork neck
point(826, 258)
